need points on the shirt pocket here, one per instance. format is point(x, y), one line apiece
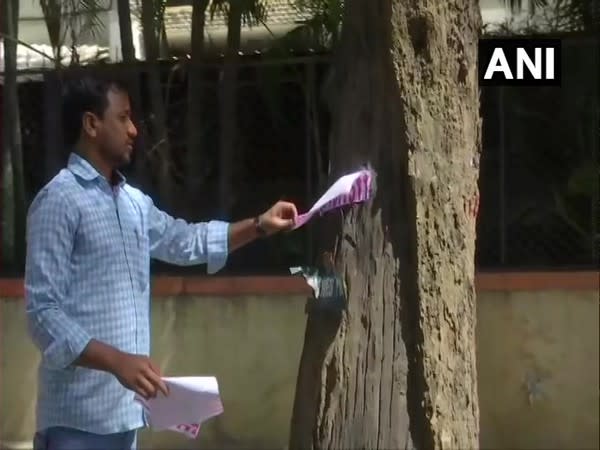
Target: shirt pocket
point(139, 247)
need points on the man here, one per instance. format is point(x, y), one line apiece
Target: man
point(90, 237)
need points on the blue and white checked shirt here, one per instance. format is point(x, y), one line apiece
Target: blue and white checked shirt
point(87, 276)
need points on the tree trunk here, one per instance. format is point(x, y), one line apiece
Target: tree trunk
point(228, 109)
point(159, 152)
point(396, 369)
point(54, 150)
point(53, 18)
point(53, 145)
point(127, 48)
point(195, 161)
point(13, 177)
point(133, 78)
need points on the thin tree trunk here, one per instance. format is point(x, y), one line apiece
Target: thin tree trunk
point(127, 48)
point(228, 109)
point(397, 369)
point(54, 151)
point(53, 18)
point(13, 177)
point(2, 186)
point(194, 152)
point(8, 202)
point(160, 143)
point(133, 77)
point(53, 145)
point(159, 151)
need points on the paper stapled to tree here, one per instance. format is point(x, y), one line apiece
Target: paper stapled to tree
point(191, 401)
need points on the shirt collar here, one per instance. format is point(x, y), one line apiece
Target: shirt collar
point(83, 169)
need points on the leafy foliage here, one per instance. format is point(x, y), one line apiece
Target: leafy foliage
point(76, 19)
point(323, 24)
point(157, 9)
point(560, 15)
point(254, 12)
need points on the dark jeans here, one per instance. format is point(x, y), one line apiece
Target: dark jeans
point(58, 438)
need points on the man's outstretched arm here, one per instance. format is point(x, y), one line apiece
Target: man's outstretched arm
point(280, 217)
point(178, 242)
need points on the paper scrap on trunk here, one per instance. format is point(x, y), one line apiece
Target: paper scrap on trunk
point(349, 189)
point(311, 276)
point(329, 289)
point(191, 401)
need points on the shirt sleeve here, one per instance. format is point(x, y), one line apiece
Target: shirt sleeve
point(178, 242)
point(51, 226)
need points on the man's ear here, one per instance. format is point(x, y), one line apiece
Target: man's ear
point(90, 124)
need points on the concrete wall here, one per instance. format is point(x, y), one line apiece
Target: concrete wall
point(538, 369)
point(537, 356)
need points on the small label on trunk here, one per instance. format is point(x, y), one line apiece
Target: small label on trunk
point(329, 292)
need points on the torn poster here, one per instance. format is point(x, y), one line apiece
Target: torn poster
point(191, 401)
point(349, 189)
point(328, 287)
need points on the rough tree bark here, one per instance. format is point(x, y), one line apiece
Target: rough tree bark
point(397, 368)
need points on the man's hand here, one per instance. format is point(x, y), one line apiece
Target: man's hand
point(135, 372)
point(280, 217)
point(138, 374)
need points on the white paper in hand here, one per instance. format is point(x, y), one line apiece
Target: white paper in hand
point(191, 401)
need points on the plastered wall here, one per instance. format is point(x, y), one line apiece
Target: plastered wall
point(537, 361)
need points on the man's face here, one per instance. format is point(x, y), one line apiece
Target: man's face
point(116, 132)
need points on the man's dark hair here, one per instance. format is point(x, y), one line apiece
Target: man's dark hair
point(81, 95)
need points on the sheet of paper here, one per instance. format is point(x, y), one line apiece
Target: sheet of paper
point(191, 401)
point(352, 188)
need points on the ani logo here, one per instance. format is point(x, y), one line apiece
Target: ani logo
point(520, 62)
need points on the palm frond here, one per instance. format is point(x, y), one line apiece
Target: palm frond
point(74, 18)
point(254, 12)
point(534, 5)
point(324, 20)
point(52, 11)
point(220, 7)
point(159, 13)
point(90, 22)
